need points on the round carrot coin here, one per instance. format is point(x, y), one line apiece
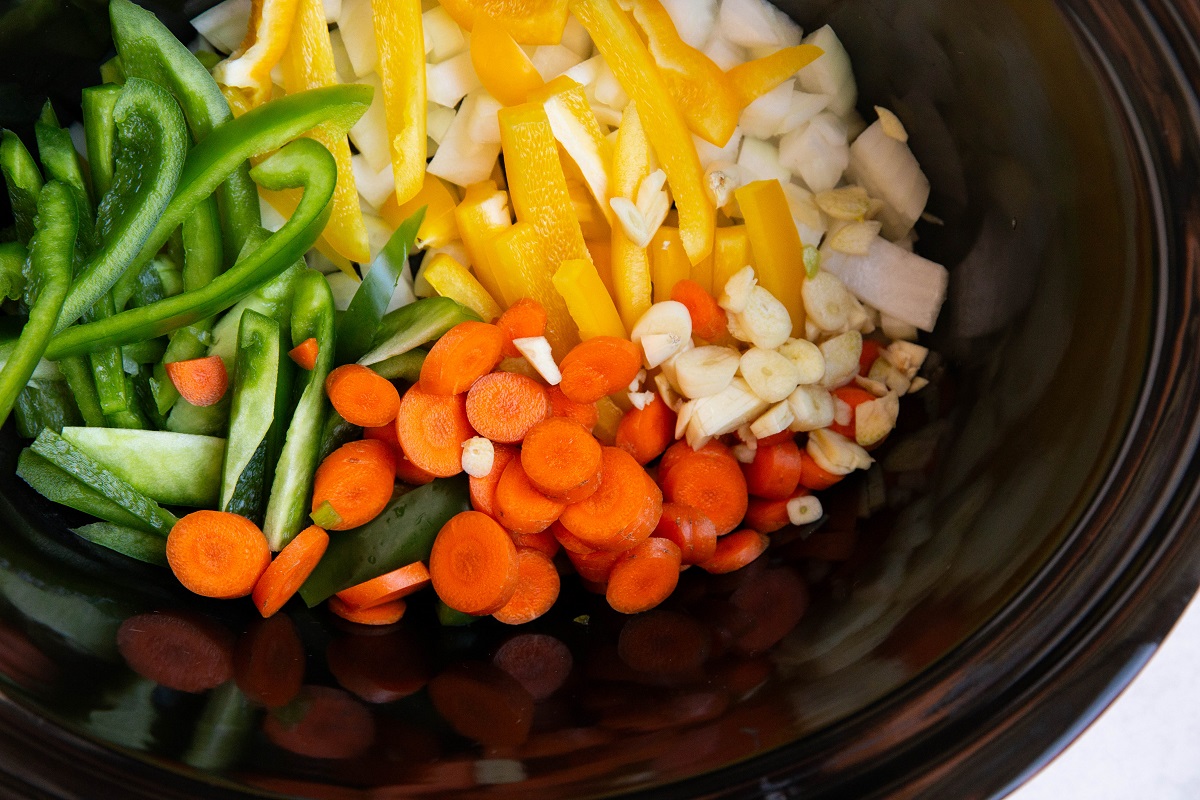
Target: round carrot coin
point(431, 429)
point(463, 355)
point(289, 570)
point(503, 406)
point(644, 576)
point(217, 554)
point(598, 367)
point(473, 564)
point(357, 479)
point(362, 396)
point(562, 459)
point(537, 589)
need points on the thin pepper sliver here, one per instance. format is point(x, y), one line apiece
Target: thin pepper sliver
point(527, 21)
point(778, 251)
point(629, 263)
point(753, 79)
point(400, 39)
point(483, 214)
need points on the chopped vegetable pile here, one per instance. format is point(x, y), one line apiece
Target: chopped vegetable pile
point(666, 292)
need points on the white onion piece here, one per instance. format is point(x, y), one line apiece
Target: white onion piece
point(608, 89)
point(459, 159)
point(724, 53)
point(900, 284)
point(888, 170)
point(804, 108)
point(710, 153)
point(450, 81)
point(482, 120)
point(585, 72)
point(343, 288)
point(553, 60)
point(443, 38)
point(358, 31)
point(809, 222)
point(374, 185)
point(764, 117)
point(759, 161)
point(438, 120)
point(576, 37)
point(341, 57)
point(757, 23)
point(378, 233)
point(830, 73)
point(224, 25)
point(370, 134)
point(694, 19)
point(817, 152)
point(333, 10)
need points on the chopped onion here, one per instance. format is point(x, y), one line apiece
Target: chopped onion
point(888, 170)
point(224, 25)
point(378, 234)
point(333, 10)
point(461, 160)
point(482, 120)
point(358, 31)
point(443, 38)
point(759, 161)
point(586, 72)
point(724, 53)
point(343, 288)
point(370, 134)
point(817, 152)
point(804, 108)
point(553, 60)
point(764, 117)
point(757, 23)
point(710, 153)
point(576, 37)
point(438, 120)
point(694, 19)
point(450, 81)
point(375, 186)
point(341, 57)
point(608, 89)
point(830, 73)
point(900, 284)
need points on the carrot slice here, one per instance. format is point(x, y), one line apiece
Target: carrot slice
point(432, 429)
point(503, 406)
point(562, 459)
point(217, 554)
point(410, 473)
point(768, 516)
point(812, 476)
point(362, 396)
point(473, 564)
point(664, 643)
point(357, 480)
point(289, 570)
point(382, 614)
point(736, 551)
point(537, 589)
point(463, 355)
point(387, 435)
point(543, 542)
point(645, 433)
point(708, 319)
point(594, 567)
point(854, 397)
point(586, 414)
point(379, 668)
point(394, 585)
point(200, 381)
point(483, 703)
point(871, 349)
point(690, 530)
point(177, 649)
point(677, 451)
point(712, 484)
point(333, 725)
point(776, 602)
point(305, 354)
point(569, 541)
point(520, 507)
point(644, 576)
point(483, 490)
point(268, 664)
point(777, 438)
point(616, 515)
point(775, 472)
point(524, 319)
point(598, 367)
point(539, 662)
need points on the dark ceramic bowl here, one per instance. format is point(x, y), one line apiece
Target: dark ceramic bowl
point(1034, 538)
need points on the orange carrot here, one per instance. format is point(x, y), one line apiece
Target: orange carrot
point(777, 438)
point(598, 367)
point(523, 319)
point(537, 589)
point(691, 531)
point(623, 511)
point(594, 567)
point(712, 484)
point(483, 703)
point(200, 381)
point(812, 476)
point(543, 542)
point(217, 554)
point(586, 414)
point(289, 570)
point(569, 541)
point(776, 602)
point(357, 480)
point(853, 397)
point(645, 433)
point(520, 507)
point(473, 564)
point(394, 585)
point(503, 406)
point(382, 614)
point(775, 472)
point(539, 662)
point(268, 664)
point(410, 473)
point(483, 490)
point(387, 435)
point(463, 355)
point(362, 396)
point(643, 576)
point(681, 448)
point(708, 319)
point(663, 643)
point(768, 516)
point(379, 667)
point(432, 429)
point(736, 551)
point(305, 354)
point(866, 359)
point(334, 725)
point(177, 649)
point(562, 459)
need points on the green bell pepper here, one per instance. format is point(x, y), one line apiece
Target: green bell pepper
point(404, 367)
point(57, 153)
point(415, 324)
point(12, 270)
point(131, 542)
point(78, 373)
point(24, 183)
point(45, 404)
point(255, 381)
point(99, 103)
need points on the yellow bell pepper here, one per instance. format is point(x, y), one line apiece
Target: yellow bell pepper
point(245, 77)
point(753, 79)
point(451, 279)
point(439, 227)
point(668, 262)
point(617, 40)
point(630, 263)
point(308, 64)
point(609, 419)
point(578, 132)
point(400, 38)
point(528, 21)
point(502, 66)
point(519, 255)
point(601, 251)
point(588, 300)
point(592, 221)
point(697, 85)
point(480, 217)
point(778, 251)
point(702, 273)
point(731, 252)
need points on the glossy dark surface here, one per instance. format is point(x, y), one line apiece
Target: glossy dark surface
point(1029, 557)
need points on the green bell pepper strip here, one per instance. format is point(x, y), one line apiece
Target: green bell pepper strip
point(99, 102)
point(57, 153)
point(50, 254)
point(78, 373)
point(111, 71)
point(108, 368)
point(151, 142)
point(45, 404)
point(148, 352)
point(404, 367)
point(59, 486)
point(358, 326)
point(149, 50)
point(415, 324)
point(133, 416)
point(302, 164)
point(255, 379)
point(402, 534)
point(131, 542)
point(334, 433)
point(312, 317)
point(24, 183)
point(449, 617)
point(12, 270)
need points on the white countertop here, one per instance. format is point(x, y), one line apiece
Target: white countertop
point(1146, 746)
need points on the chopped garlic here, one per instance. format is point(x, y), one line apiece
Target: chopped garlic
point(771, 375)
point(721, 180)
point(705, 371)
point(850, 203)
point(810, 363)
point(662, 331)
point(829, 305)
point(804, 510)
point(536, 350)
point(640, 400)
point(874, 387)
point(744, 453)
point(478, 456)
point(842, 354)
point(917, 385)
point(907, 357)
point(812, 408)
point(895, 329)
point(835, 453)
point(653, 201)
point(667, 392)
point(855, 239)
point(776, 419)
point(842, 412)
point(684, 417)
point(747, 436)
point(884, 371)
point(891, 124)
point(875, 419)
point(765, 320)
point(633, 222)
point(725, 411)
point(736, 294)
point(636, 384)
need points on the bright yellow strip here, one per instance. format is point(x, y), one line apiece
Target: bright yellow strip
point(528, 21)
point(617, 40)
point(610, 418)
point(245, 77)
point(578, 131)
point(400, 37)
point(755, 78)
point(480, 217)
point(587, 300)
point(702, 273)
point(520, 261)
point(630, 263)
point(601, 251)
point(778, 252)
point(668, 262)
point(451, 279)
point(731, 252)
point(308, 64)
point(502, 66)
point(439, 227)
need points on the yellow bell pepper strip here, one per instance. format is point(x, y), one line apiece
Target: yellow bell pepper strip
point(698, 86)
point(451, 279)
point(245, 77)
point(753, 79)
point(702, 273)
point(617, 40)
point(400, 39)
point(527, 21)
point(609, 419)
point(480, 217)
point(668, 262)
point(519, 255)
point(578, 132)
point(439, 199)
point(588, 300)
point(731, 252)
point(630, 264)
point(601, 252)
point(778, 251)
point(308, 64)
point(502, 66)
